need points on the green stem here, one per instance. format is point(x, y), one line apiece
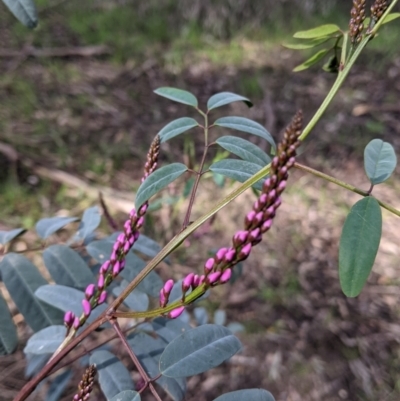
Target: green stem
point(343, 184)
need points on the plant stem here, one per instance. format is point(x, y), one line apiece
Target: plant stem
point(134, 358)
point(345, 185)
point(199, 173)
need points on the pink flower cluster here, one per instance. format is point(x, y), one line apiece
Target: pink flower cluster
point(218, 269)
point(97, 294)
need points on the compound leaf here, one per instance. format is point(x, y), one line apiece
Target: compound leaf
point(359, 245)
point(244, 149)
point(198, 350)
point(114, 377)
point(49, 225)
point(8, 236)
point(46, 341)
point(318, 32)
point(157, 181)
point(67, 267)
point(8, 331)
point(22, 279)
point(245, 125)
point(127, 395)
point(223, 98)
point(238, 170)
point(254, 394)
point(177, 127)
point(379, 161)
point(177, 95)
point(24, 11)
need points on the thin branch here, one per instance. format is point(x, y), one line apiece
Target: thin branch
point(346, 186)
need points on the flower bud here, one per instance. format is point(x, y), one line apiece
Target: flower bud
point(245, 252)
point(281, 187)
point(225, 276)
point(187, 282)
point(196, 281)
point(230, 255)
point(143, 209)
point(219, 256)
point(163, 299)
point(168, 287)
point(116, 268)
point(121, 239)
point(176, 312)
point(127, 247)
point(100, 282)
point(266, 225)
point(104, 267)
point(77, 323)
point(140, 222)
point(89, 292)
point(87, 308)
point(102, 297)
point(240, 238)
point(213, 278)
point(248, 221)
point(208, 266)
point(69, 318)
point(254, 234)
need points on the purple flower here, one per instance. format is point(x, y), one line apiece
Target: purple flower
point(230, 255)
point(219, 256)
point(104, 267)
point(245, 252)
point(169, 284)
point(240, 238)
point(100, 282)
point(116, 268)
point(77, 323)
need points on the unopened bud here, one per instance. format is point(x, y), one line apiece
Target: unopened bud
point(245, 252)
point(208, 266)
point(240, 238)
point(176, 312)
point(102, 297)
point(104, 267)
point(219, 256)
point(213, 277)
point(168, 286)
point(100, 282)
point(89, 292)
point(225, 276)
point(187, 282)
point(77, 323)
point(69, 318)
point(87, 308)
point(230, 255)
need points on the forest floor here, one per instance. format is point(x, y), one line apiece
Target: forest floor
point(72, 125)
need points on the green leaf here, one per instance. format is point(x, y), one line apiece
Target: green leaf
point(46, 341)
point(169, 329)
point(318, 32)
point(198, 350)
point(48, 226)
point(58, 385)
point(136, 300)
point(379, 161)
point(67, 267)
point(245, 125)
point(244, 149)
point(254, 394)
point(24, 11)
point(127, 395)
point(114, 377)
point(391, 17)
point(178, 95)
point(90, 221)
point(157, 181)
point(238, 170)
point(147, 246)
point(312, 60)
point(8, 236)
point(8, 331)
point(359, 244)
point(177, 127)
point(22, 279)
point(223, 98)
point(306, 45)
